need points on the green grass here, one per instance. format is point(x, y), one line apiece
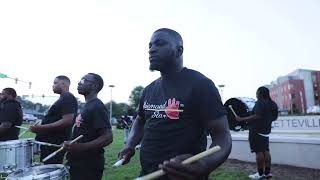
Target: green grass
point(131, 170)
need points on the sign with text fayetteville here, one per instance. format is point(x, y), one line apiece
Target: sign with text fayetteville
point(297, 123)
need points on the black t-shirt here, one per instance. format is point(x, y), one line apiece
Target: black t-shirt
point(94, 117)
point(171, 133)
point(11, 111)
point(266, 110)
point(66, 104)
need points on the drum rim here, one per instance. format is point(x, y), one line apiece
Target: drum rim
point(17, 141)
point(61, 169)
point(245, 101)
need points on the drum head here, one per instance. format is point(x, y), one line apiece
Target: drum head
point(50, 171)
point(243, 107)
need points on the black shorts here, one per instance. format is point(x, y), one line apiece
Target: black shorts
point(258, 143)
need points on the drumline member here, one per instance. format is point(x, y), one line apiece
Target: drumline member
point(10, 115)
point(265, 111)
point(57, 123)
point(175, 112)
point(86, 157)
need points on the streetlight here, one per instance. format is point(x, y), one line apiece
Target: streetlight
point(221, 86)
point(111, 86)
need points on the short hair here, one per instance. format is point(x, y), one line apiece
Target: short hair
point(263, 92)
point(98, 80)
point(173, 34)
point(11, 92)
point(64, 78)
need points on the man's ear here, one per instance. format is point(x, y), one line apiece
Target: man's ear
point(95, 86)
point(179, 51)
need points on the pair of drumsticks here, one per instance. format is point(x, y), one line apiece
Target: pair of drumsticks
point(49, 144)
point(26, 129)
point(60, 149)
point(190, 160)
point(160, 172)
point(37, 142)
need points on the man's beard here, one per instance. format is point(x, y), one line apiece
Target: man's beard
point(155, 67)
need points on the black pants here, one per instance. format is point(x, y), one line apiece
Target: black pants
point(45, 151)
point(85, 173)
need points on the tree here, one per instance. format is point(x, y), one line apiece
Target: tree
point(134, 97)
point(118, 109)
point(26, 104)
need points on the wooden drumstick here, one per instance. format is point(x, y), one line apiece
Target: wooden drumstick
point(118, 163)
point(47, 144)
point(234, 113)
point(21, 127)
point(26, 129)
point(190, 160)
point(60, 149)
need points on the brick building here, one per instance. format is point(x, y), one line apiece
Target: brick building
point(296, 92)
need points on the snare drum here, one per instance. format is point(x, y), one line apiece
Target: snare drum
point(43, 172)
point(16, 154)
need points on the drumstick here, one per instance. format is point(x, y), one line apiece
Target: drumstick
point(168, 110)
point(47, 144)
point(21, 127)
point(234, 113)
point(118, 163)
point(190, 160)
point(60, 149)
point(21, 134)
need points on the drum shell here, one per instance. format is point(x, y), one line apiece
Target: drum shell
point(16, 154)
point(243, 107)
point(42, 172)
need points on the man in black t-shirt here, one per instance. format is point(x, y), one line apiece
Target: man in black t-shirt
point(175, 111)
point(86, 157)
point(10, 115)
point(57, 123)
point(265, 111)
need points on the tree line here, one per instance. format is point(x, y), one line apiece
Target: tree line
point(118, 109)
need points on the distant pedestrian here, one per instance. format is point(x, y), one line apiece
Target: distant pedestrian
point(57, 123)
point(10, 115)
point(265, 111)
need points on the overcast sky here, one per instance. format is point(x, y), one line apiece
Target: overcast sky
point(241, 44)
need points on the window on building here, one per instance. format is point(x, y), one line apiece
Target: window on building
point(291, 86)
point(294, 108)
point(293, 96)
point(314, 78)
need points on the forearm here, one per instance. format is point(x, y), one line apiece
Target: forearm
point(58, 125)
point(63, 123)
point(249, 118)
point(3, 130)
point(220, 135)
point(4, 127)
point(136, 134)
point(100, 142)
point(216, 159)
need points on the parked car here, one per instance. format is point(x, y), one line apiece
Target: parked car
point(29, 117)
